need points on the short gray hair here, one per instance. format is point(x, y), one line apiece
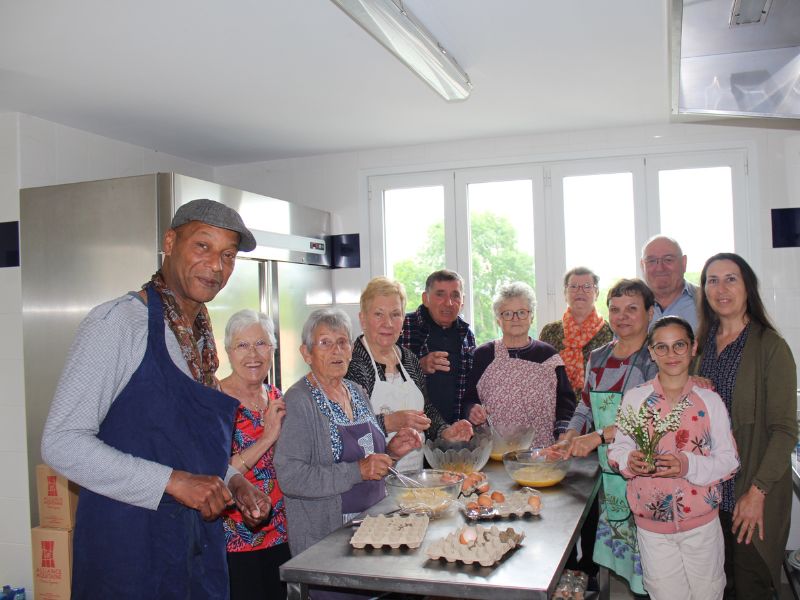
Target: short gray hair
point(244, 319)
point(577, 271)
point(334, 318)
point(515, 289)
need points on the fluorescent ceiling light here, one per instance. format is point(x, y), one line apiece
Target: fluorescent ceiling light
point(405, 37)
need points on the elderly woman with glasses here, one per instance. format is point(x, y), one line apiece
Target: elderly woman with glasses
point(332, 455)
point(581, 329)
point(519, 381)
point(254, 555)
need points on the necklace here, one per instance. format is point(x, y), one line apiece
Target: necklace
point(250, 404)
point(342, 403)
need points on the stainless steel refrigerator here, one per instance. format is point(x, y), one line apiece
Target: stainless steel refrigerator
point(85, 243)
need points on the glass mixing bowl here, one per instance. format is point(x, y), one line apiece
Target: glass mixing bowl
point(539, 467)
point(463, 457)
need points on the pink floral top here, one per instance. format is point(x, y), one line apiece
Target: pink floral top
point(706, 449)
point(239, 538)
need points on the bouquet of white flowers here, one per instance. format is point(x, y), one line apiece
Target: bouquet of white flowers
point(647, 427)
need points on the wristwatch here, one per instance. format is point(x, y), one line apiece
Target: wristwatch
point(602, 436)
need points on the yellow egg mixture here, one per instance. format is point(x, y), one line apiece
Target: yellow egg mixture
point(538, 476)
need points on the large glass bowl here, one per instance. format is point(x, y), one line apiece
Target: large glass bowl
point(463, 457)
point(539, 467)
point(439, 489)
point(509, 439)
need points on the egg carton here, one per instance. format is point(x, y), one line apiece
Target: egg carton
point(515, 504)
point(487, 549)
point(392, 531)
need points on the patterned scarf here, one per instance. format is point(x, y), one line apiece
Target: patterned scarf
point(575, 338)
point(203, 365)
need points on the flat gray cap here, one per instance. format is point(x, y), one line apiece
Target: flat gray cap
point(216, 214)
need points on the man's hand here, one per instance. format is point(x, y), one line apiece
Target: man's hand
point(403, 442)
point(460, 431)
point(434, 361)
point(416, 419)
point(204, 493)
point(477, 415)
point(374, 466)
point(252, 502)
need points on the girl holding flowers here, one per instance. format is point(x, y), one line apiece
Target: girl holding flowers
point(674, 446)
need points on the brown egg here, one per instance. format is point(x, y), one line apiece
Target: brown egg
point(535, 502)
point(473, 506)
point(498, 496)
point(468, 535)
point(485, 500)
point(482, 487)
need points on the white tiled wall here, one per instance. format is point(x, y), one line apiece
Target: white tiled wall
point(34, 152)
point(15, 551)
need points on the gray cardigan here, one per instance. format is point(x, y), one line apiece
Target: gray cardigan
point(311, 481)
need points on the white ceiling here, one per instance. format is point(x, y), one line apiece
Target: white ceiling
point(225, 82)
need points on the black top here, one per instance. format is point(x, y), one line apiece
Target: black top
point(443, 385)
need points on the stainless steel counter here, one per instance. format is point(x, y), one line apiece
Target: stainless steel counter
point(530, 571)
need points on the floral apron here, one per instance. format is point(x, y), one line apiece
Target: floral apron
point(519, 393)
point(615, 547)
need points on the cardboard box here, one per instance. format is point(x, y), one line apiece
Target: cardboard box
point(58, 499)
point(52, 563)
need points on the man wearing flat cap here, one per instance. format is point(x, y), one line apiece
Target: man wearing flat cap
point(139, 422)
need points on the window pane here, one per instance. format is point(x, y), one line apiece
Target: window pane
point(599, 228)
point(696, 208)
point(414, 234)
point(501, 238)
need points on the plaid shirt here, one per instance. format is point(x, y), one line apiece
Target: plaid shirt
point(416, 330)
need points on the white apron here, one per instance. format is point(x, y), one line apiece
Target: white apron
point(389, 397)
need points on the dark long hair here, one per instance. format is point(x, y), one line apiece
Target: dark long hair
point(755, 307)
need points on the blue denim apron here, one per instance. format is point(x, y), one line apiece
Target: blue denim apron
point(123, 551)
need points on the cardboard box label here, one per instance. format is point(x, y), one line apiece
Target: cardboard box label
point(52, 563)
point(58, 499)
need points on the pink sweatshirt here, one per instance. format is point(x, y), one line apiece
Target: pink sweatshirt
point(706, 449)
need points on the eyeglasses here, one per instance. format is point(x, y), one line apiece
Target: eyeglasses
point(586, 287)
point(679, 348)
point(261, 346)
point(327, 345)
point(508, 315)
point(667, 261)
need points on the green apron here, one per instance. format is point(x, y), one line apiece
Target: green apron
point(615, 546)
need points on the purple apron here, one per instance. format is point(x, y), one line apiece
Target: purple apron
point(127, 552)
point(358, 441)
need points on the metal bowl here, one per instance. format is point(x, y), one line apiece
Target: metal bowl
point(462, 457)
point(539, 467)
point(439, 489)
